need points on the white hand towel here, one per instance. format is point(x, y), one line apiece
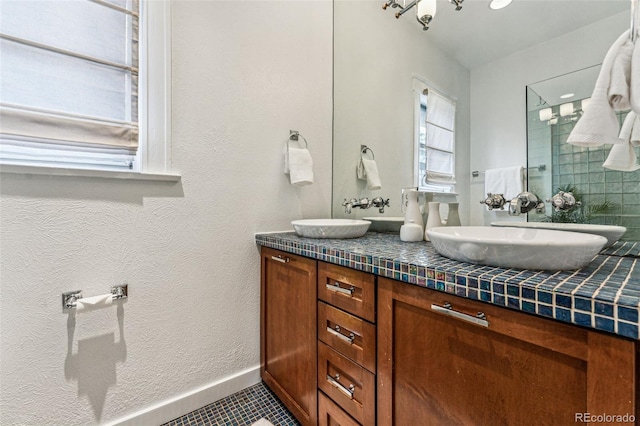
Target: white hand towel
point(507, 181)
point(599, 125)
point(298, 164)
point(634, 84)
point(621, 78)
point(368, 170)
point(623, 156)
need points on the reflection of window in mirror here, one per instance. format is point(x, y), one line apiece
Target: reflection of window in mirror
point(434, 152)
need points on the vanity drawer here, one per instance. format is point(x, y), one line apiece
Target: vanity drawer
point(348, 334)
point(330, 414)
point(348, 289)
point(348, 384)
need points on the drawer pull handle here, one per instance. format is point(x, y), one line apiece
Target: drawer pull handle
point(348, 392)
point(447, 309)
point(280, 259)
point(348, 339)
point(336, 287)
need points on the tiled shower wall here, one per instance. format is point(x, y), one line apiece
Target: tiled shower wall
point(582, 167)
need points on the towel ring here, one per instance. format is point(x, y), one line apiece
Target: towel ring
point(363, 151)
point(293, 136)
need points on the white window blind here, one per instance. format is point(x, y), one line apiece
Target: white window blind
point(69, 83)
point(436, 142)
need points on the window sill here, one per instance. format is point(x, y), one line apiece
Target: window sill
point(102, 174)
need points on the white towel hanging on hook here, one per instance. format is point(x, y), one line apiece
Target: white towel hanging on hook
point(634, 21)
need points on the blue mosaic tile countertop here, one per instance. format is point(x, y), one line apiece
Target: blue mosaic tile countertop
point(605, 295)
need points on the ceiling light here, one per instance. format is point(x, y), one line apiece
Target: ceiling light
point(499, 4)
point(567, 95)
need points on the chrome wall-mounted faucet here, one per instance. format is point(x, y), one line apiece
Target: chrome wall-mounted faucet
point(365, 203)
point(563, 201)
point(524, 203)
point(494, 201)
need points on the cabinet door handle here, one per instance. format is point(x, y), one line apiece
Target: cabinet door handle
point(447, 309)
point(348, 339)
point(334, 383)
point(280, 259)
point(336, 287)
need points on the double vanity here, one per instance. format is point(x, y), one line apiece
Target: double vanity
point(375, 331)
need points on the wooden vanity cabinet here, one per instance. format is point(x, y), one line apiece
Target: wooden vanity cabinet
point(437, 367)
point(346, 346)
point(288, 338)
point(336, 356)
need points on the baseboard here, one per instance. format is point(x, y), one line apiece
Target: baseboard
point(185, 403)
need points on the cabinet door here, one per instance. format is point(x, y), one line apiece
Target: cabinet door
point(437, 367)
point(288, 351)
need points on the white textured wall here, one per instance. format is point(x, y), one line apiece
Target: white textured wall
point(244, 73)
point(376, 57)
point(498, 93)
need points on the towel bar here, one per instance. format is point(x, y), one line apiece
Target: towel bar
point(540, 168)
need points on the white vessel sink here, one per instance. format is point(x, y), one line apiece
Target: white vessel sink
point(385, 223)
point(524, 248)
point(610, 232)
point(330, 228)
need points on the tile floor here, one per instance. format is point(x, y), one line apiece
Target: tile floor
point(240, 409)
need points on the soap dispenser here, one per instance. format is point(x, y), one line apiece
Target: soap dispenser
point(412, 208)
point(411, 232)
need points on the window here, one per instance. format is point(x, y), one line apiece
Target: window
point(75, 91)
point(435, 140)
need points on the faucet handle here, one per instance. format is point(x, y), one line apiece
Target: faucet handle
point(494, 201)
point(348, 204)
point(563, 201)
point(381, 203)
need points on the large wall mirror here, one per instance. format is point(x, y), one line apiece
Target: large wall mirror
point(608, 197)
point(482, 60)
point(377, 61)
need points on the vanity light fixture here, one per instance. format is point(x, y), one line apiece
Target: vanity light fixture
point(566, 109)
point(499, 4)
point(585, 103)
point(545, 114)
point(425, 9)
